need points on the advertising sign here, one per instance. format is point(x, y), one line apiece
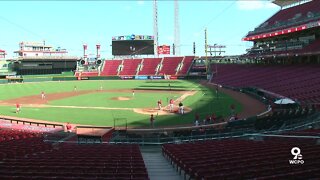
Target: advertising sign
point(141, 77)
point(126, 77)
point(164, 49)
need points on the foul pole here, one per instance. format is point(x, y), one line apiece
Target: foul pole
point(176, 28)
point(155, 26)
point(206, 50)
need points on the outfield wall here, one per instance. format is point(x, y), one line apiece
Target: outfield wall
point(36, 78)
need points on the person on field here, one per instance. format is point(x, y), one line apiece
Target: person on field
point(43, 96)
point(181, 108)
point(171, 105)
point(69, 127)
point(18, 107)
point(132, 93)
point(159, 104)
point(75, 88)
point(151, 121)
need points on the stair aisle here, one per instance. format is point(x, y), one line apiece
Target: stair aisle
point(157, 166)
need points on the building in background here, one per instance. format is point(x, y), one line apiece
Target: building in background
point(39, 58)
point(2, 54)
point(37, 49)
point(292, 35)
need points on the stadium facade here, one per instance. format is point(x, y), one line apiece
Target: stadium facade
point(40, 58)
point(291, 35)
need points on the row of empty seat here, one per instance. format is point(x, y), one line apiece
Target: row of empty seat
point(312, 48)
point(14, 148)
point(145, 66)
point(291, 16)
point(21, 126)
point(298, 82)
point(130, 66)
point(110, 67)
point(245, 159)
point(26, 155)
point(170, 65)
point(149, 66)
point(12, 134)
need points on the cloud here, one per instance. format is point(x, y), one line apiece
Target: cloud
point(255, 4)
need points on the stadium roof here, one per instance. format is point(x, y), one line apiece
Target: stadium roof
point(283, 3)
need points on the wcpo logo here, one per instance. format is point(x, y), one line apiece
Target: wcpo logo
point(297, 156)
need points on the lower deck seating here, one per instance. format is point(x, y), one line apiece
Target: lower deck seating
point(19, 148)
point(10, 134)
point(245, 159)
point(32, 158)
point(24, 127)
point(298, 82)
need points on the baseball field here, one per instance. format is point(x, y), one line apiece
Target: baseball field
point(113, 102)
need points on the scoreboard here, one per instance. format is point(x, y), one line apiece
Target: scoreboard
point(133, 45)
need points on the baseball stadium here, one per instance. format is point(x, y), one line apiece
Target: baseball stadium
point(152, 112)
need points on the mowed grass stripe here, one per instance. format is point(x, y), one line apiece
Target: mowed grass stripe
point(203, 102)
point(79, 116)
point(15, 90)
point(109, 99)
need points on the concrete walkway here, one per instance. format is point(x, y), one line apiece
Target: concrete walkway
point(157, 166)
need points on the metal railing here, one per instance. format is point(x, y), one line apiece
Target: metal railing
point(163, 138)
point(30, 122)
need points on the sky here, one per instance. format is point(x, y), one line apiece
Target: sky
point(69, 24)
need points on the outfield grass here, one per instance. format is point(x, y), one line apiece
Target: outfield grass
point(203, 102)
point(107, 99)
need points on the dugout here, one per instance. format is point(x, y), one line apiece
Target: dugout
point(92, 134)
point(34, 66)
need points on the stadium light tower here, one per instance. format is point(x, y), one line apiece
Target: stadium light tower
point(98, 46)
point(85, 47)
point(155, 26)
point(206, 49)
point(176, 28)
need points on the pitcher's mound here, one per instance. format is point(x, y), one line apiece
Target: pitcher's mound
point(121, 98)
